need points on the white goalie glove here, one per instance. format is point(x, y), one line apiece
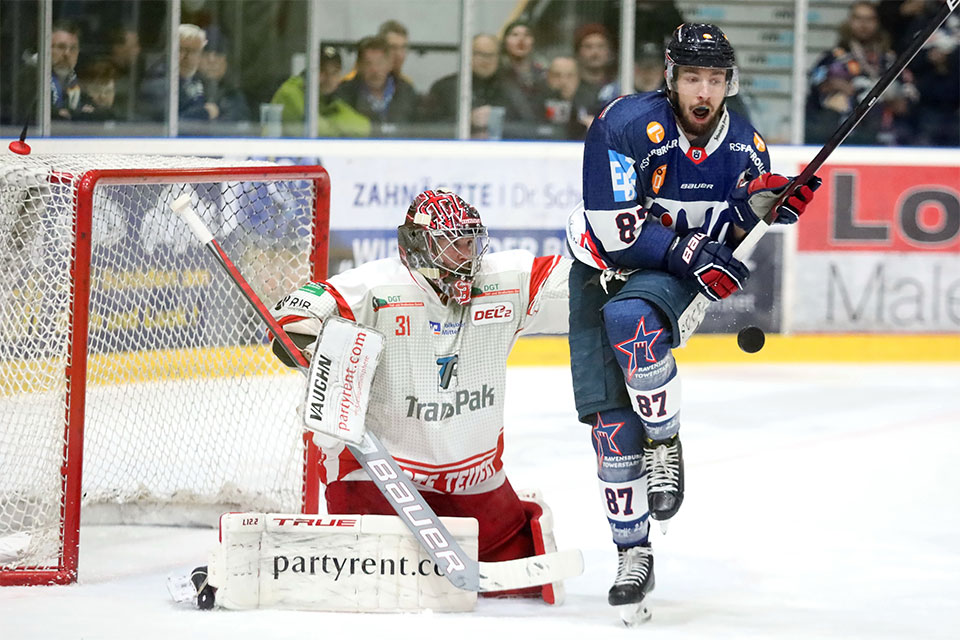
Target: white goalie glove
point(344, 360)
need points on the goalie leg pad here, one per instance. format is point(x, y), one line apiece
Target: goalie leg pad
point(499, 512)
point(333, 563)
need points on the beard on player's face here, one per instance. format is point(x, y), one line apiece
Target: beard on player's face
point(699, 119)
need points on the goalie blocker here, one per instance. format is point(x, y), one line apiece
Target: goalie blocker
point(341, 563)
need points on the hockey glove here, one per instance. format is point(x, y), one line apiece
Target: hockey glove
point(753, 198)
point(711, 263)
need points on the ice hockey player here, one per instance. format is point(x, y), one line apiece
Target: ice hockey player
point(450, 314)
point(672, 180)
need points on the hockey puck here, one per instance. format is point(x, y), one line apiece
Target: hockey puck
point(751, 339)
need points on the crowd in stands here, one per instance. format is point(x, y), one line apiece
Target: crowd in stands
point(516, 92)
point(922, 107)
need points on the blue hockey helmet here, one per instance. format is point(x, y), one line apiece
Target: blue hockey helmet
point(701, 45)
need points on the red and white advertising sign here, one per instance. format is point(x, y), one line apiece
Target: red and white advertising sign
point(879, 251)
point(884, 208)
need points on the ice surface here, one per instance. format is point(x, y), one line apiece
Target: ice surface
point(822, 502)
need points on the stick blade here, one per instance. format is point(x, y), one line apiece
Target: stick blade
point(531, 572)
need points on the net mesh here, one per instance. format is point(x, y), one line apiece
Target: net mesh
point(184, 403)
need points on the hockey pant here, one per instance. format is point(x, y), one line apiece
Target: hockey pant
point(510, 524)
point(641, 341)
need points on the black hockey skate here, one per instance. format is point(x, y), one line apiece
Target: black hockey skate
point(663, 460)
point(633, 582)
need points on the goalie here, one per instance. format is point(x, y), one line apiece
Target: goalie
point(450, 315)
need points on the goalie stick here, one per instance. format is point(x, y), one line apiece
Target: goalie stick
point(461, 570)
point(693, 315)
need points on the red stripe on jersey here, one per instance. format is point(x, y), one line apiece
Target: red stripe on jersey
point(342, 306)
point(285, 320)
point(542, 268)
point(447, 465)
point(587, 241)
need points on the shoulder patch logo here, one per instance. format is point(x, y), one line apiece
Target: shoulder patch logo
point(655, 132)
point(659, 175)
point(623, 176)
point(759, 143)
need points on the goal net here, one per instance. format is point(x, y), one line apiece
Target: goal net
point(135, 382)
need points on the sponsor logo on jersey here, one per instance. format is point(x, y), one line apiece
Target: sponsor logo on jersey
point(292, 301)
point(658, 151)
point(623, 177)
point(659, 175)
point(435, 327)
point(759, 143)
point(448, 370)
point(491, 313)
point(655, 132)
point(697, 154)
point(464, 401)
point(696, 185)
point(754, 158)
point(445, 329)
point(391, 302)
point(477, 293)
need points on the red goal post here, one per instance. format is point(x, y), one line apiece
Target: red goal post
point(135, 383)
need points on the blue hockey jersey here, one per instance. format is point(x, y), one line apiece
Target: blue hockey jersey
point(639, 169)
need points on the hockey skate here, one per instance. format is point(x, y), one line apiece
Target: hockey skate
point(633, 582)
point(664, 462)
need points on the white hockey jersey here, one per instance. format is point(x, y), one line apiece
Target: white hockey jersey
point(437, 399)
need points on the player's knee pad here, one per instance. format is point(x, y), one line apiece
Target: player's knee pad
point(641, 339)
point(541, 530)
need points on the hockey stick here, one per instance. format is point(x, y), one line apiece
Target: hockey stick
point(693, 315)
point(461, 570)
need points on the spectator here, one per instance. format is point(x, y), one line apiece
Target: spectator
point(937, 72)
point(397, 39)
point(395, 35)
point(655, 21)
point(64, 84)
point(375, 92)
point(193, 103)
point(230, 100)
point(897, 17)
point(594, 50)
point(440, 103)
point(563, 78)
point(593, 47)
point(335, 118)
point(648, 67)
point(524, 81)
point(843, 75)
point(97, 92)
point(124, 55)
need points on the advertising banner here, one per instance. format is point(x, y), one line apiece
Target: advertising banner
point(879, 251)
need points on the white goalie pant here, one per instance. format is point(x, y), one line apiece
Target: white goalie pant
point(333, 563)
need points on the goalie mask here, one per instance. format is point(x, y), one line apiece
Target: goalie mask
point(705, 46)
point(443, 239)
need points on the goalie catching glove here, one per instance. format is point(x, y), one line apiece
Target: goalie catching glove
point(710, 263)
point(341, 374)
point(753, 198)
